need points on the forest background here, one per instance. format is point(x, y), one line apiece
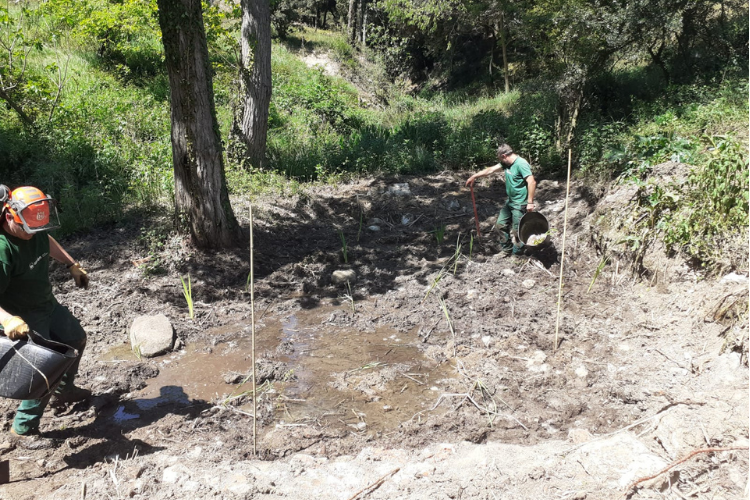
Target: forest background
point(420, 87)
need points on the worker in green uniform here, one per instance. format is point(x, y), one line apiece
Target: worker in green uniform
point(520, 187)
point(26, 299)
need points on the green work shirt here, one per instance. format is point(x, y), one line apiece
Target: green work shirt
point(24, 275)
point(515, 185)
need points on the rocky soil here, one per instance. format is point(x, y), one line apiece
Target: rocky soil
point(426, 371)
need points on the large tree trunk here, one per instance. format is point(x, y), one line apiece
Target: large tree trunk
point(255, 79)
point(351, 27)
point(363, 20)
point(504, 43)
point(200, 188)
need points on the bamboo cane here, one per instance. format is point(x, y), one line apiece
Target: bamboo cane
point(562, 259)
point(252, 330)
point(476, 217)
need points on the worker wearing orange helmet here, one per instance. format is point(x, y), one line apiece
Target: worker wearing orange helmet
point(26, 299)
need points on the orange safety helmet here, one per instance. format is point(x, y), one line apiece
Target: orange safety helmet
point(32, 209)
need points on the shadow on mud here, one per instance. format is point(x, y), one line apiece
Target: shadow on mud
point(111, 424)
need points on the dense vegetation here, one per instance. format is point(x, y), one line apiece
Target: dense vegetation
point(86, 112)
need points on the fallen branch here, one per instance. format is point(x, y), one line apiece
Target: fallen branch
point(626, 493)
point(374, 486)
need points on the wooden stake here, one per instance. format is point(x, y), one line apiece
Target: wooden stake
point(562, 259)
point(252, 330)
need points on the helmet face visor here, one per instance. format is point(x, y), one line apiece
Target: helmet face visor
point(37, 216)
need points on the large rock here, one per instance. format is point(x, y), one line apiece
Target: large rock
point(151, 335)
point(342, 276)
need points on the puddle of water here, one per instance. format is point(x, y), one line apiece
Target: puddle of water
point(363, 381)
point(122, 352)
point(121, 415)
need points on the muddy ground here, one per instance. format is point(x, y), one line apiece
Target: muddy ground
point(427, 376)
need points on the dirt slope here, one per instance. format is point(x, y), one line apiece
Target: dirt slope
point(365, 379)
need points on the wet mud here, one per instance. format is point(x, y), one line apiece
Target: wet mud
point(433, 339)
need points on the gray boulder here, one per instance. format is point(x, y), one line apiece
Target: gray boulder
point(151, 335)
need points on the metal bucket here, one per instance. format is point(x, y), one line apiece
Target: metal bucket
point(533, 223)
point(22, 363)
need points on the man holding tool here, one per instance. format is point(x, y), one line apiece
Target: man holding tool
point(520, 187)
point(26, 300)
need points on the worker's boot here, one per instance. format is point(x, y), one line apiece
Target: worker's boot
point(33, 440)
point(70, 394)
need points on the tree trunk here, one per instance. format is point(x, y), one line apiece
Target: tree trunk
point(201, 195)
point(504, 43)
point(352, 22)
point(574, 116)
point(363, 20)
point(255, 79)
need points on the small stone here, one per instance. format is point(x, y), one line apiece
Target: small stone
point(529, 284)
point(406, 219)
point(578, 436)
point(581, 371)
point(508, 272)
point(487, 340)
point(733, 278)
point(401, 189)
point(387, 408)
point(233, 378)
point(536, 362)
point(191, 486)
point(374, 228)
point(342, 276)
point(175, 474)
point(471, 294)
point(506, 300)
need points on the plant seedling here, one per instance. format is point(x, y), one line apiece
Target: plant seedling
point(344, 247)
point(440, 234)
point(457, 254)
point(349, 297)
point(599, 268)
point(187, 291)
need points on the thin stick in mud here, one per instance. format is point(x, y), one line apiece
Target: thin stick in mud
point(252, 335)
point(562, 258)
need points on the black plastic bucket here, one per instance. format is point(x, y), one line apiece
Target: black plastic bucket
point(533, 223)
point(22, 363)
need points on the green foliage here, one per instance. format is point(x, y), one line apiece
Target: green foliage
point(710, 225)
point(124, 34)
point(187, 292)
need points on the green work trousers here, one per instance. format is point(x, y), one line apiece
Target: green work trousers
point(507, 224)
point(60, 326)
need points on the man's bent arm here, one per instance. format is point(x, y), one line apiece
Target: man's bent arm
point(483, 173)
point(531, 184)
point(57, 252)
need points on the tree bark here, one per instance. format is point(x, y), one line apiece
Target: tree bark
point(201, 195)
point(255, 79)
point(352, 22)
point(504, 43)
point(363, 20)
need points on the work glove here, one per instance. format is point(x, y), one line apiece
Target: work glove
point(80, 276)
point(15, 328)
